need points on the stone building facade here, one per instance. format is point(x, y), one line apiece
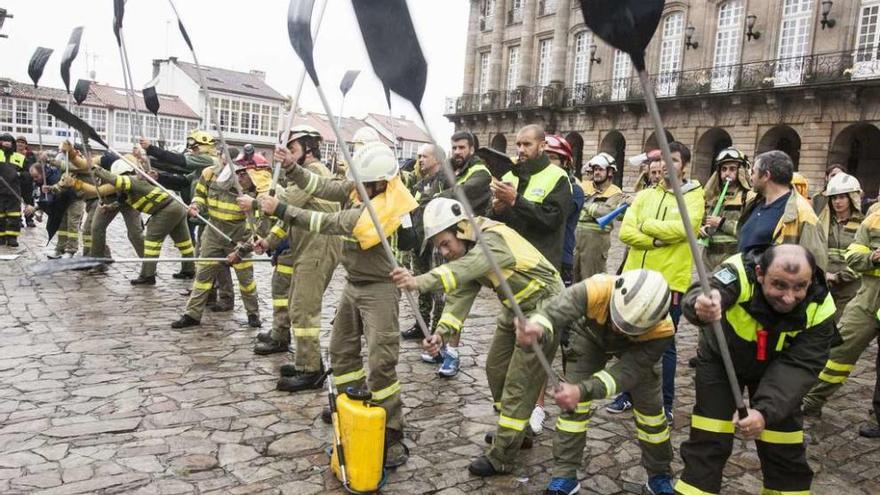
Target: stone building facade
point(798, 75)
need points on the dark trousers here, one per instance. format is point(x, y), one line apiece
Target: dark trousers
point(780, 447)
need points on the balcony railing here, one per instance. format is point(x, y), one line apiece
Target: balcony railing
point(812, 70)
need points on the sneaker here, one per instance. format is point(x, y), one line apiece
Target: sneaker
point(659, 484)
point(669, 415)
point(563, 486)
point(536, 421)
point(54, 256)
point(438, 359)
point(450, 365)
point(620, 404)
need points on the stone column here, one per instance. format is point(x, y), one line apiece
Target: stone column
point(560, 42)
point(527, 54)
point(496, 58)
point(470, 57)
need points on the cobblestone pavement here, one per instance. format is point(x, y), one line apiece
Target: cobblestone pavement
point(99, 395)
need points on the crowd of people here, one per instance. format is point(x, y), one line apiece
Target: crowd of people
point(787, 272)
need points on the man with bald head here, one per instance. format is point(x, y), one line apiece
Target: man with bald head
point(778, 320)
point(534, 198)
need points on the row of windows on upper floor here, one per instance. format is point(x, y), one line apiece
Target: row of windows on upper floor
point(795, 33)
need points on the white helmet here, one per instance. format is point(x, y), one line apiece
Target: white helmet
point(640, 300)
point(365, 135)
point(439, 215)
point(603, 160)
point(638, 159)
point(300, 131)
point(842, 184)
point(120, 167)
point(374, 162)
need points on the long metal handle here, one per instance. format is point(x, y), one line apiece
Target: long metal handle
point(660, 132)
point(717, 209)
point(250, 216)
point(493, 264)
point(362, 191)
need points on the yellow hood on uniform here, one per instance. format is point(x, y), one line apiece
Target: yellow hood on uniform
point(392, 204)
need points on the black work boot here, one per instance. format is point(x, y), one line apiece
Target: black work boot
point(526, 443)
point(183, 275)
point(412, 333)
point(271, 347)
point(303, 380)
point(186, 321)
point(264, 335)
point(219, 307)
point(481, 466)
point(869, 431)
point(254, 321)
point(289, 369)
point(12, 241)
point(327, 416)
point(396, 452)
point(141, 280)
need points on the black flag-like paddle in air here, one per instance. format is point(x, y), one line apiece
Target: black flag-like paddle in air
point(58, 111)
point(70, 54)
point(348, 81)
point(38, 63)
point(393, 47)
point(397, 60)
point(81, 91)
point(629, 25)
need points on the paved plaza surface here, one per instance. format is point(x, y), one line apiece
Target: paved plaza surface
point(99, 395)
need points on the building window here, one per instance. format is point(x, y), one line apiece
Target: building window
point(483, 83)
point(174, 130)
point(867, 41)
point(670, 54)
point(621, 73)
point(794, 41)
point(487, 15)
point(545, 49)
point(245, 118)
point(582, 42)
point(515, 14)
point(328, 149)
point(512, 67)
point(728, 45)
point(546, 7)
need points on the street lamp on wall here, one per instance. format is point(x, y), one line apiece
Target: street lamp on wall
point(593, 58)
point(689, 36)
point(826, 9)
point(751, 34)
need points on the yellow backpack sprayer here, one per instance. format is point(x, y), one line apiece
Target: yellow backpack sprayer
point(358, 454)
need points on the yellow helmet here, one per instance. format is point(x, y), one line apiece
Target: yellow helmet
point(199, 137)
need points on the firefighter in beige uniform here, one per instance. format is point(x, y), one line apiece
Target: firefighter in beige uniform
point(368, 305)
point(215, 196)
point(623, 317)
point(515, 374)
point(602, 196)
point(312, 259)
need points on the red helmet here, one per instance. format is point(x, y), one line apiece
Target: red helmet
point(558, 144)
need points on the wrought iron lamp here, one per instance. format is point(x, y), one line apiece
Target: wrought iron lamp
point(826, 9)
point(751, 34)
point(689, 38)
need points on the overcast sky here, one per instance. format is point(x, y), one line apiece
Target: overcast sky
point(239, 35)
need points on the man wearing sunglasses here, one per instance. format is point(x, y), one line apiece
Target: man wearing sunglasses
point(719, 231)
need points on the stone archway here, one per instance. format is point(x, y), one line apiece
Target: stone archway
point(782, 138)
point(708, 146)
point(858, 147)
point(577, 150)
point(652, 144)
point(615, 145)
point(499, 143)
